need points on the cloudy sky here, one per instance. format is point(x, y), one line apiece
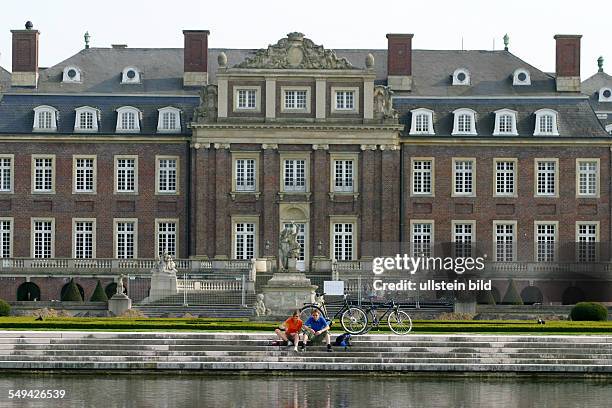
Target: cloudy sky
point(436, 24)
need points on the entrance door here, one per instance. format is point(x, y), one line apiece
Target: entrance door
point(302, 239)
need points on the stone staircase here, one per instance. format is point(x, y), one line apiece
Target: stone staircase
point(254, 351)
point(217, 311)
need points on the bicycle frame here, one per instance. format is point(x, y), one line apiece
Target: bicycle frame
point(391, 306)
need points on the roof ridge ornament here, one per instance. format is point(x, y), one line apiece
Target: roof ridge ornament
point(295, 52)
point(600, 62)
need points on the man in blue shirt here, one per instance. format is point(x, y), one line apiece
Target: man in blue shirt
point(317, 328)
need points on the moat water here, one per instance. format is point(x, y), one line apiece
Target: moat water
point(268, 391)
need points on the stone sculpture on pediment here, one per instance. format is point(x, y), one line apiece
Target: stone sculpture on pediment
point(207, 111)
point(383, 104)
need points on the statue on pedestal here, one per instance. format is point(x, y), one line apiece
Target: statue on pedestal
point(120, 288)
point(166, 264)
point(289, 247)
point(260, 306)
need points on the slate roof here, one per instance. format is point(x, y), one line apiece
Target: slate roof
point(591, 87)
point(17, 114)
point(5, 80)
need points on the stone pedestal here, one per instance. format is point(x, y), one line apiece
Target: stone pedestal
point(162, 285)
point(465, 306)
point(287, 291)
point(119, 304)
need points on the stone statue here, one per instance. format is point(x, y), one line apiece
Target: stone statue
point(120, 288)
point(207, 111)
point(260, 306)
point(166, 264)
point(289, 245)
point(383, 107)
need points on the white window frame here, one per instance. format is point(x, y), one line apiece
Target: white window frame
point(158, 222)
point(344, 189)
point(236, 156)
point(602, 97)
point(432, 176)
point(127, 80)
point(539, 114)
point(116, 222)
point(429, 114)
point(93, 235)
point(457, 113)
point(579, 173)
point(498, 117)
point(116, 174)
point(158, 170)
point(609, 129)
point(535, 240)
point(334, 105)
point(66, 78)
point(516, 81)
point(169, 110)
point(595, 243)
point(456, 172)
point(344, 220)
point(284, 157)
point(75, 159)
point(53, 118)
point(137, 118)
point(472, 235)
point(11, 170)
point(283, 103)
point(78, 125)
point(468, 77)
point(11, 239)
point(514, 224)
point(415, 222)
point(33, 236)
point(254, 88)
point(245, 219)
point(536, 177)
point(33, 171)
point(514, 173)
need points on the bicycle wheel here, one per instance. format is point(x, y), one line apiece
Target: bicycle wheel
point(354, 320)
point(307, 310)
point(399, 322)
point(371, 315)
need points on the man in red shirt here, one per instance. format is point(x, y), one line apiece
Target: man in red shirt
point(290, 329)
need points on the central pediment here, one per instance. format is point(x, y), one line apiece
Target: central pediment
point(295, 52)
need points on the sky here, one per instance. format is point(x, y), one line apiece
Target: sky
point(436, 24)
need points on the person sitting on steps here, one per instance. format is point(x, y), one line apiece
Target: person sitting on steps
point(290, 329)
point(318, 327)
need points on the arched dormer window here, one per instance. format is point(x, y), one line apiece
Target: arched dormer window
point(461, 76)
point(521, 77)
point(605, 94)
point(465, 122)
point(609, 129)
point(422, 122)
point(86, 119)
point(505, 123)
point(546, 123)
point(128, 119)
point(71, 75)
point(130, 75)
point(45, 119)
point(169, 120)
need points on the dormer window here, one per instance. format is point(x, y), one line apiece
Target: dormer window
point(609, 129)
point(128, 120)
point(71, 75)
point(86, 119)
point(546, 123)
point(169, 120)
point(505, 123)
point(45, 119)
point(461, 76)
point(130, 75)
point(521, 77)
point(422, 122)
point(465, 122)
point(605, 95)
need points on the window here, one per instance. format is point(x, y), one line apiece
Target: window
point(546, 238)
point(463, 238)
point(43, 238)
point(128, 120)
point(344, 100)
point(167, 237)
point(247, 99)
point(504, 236)
point(169, 120)
point(587, 237)
point(71, 74)
point(126, 174)
point(126, 232)
point(422, 122)
point(130, 75)
point(587, 177)
point(43, 174)
point(461, 76)
point(84, 238)
point(464, 122)
point(521, 77)
point(294, 175)
point(505, 123)
point(45, 119)
point(343, 176)
point(245, 175)
point(546, 123)
point(6, 237)
point(505, 177)
point(463, 176)
point(343, 241)
point(296, 99)
point(422, 176)
point(84, 174)
point(244, 240)
point(86, 119)
point(167, 169)
point(605, 95)
point(546, 182)
point(6, 173)
point(421, 238)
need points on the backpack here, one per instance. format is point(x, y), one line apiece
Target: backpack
point(343, 340)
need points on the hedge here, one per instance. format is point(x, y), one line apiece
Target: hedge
point(5, 308)
point(512, 296)
point(589, 311)
point(72, 293)
point(99, 295)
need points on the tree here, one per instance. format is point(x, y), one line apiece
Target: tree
point(99, 295)
point(72, 294)
point(512, 296)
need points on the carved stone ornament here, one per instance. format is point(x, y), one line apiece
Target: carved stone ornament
point(295, 52)
point(207, 110)
point(383, 107)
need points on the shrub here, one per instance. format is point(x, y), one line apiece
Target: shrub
point(5, 308)
point(486, 297)
point(99, 295)
point(589, 311)
point(455, 316)
point(72, 293)
point(512, 296)
point(133, 313)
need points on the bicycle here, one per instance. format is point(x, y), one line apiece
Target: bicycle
point(352, 319)
point(399, 321)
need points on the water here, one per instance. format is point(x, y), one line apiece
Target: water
point(254, 391)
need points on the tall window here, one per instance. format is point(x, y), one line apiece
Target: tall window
point(168, 120)
point(343, 241)
point(344, 175)
point(345, 100)
point(422, 172)
point(43, 238)
point(245, 175)
point(166, 237)
point(166, 182)
point(505, 123)
point(244, 240)
point(546, 123)
point(295, 175)
point(504, 242)
point(463, 237)
point(86, 120)
point(125, 170)
point(422, 122)
point(546, 236)
point(43, 174)
point(464, 177)
point(295, 99)
point(45, 119)
point(84, 239)
point(464, 123)
point(546, 177)
point(128, 121)
point(422, 238)
point(504, 177)
point(247, 99)
point(125, 239)
point(84, 175)
point(587, 242)
point(6, 238)
point(587, 177)
point(6, 174)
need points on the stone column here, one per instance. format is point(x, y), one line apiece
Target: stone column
point(269, 188)
point(369, 231)
point(194, 204)
point(223, 185)
point(320, 192)
point(390, 198)
point(202, 222)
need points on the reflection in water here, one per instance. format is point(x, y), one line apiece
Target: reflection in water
point(316, 391)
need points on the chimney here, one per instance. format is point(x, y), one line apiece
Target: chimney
point(25, 57)
point(195, 71)
point(568, 63)
point(399, 61)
